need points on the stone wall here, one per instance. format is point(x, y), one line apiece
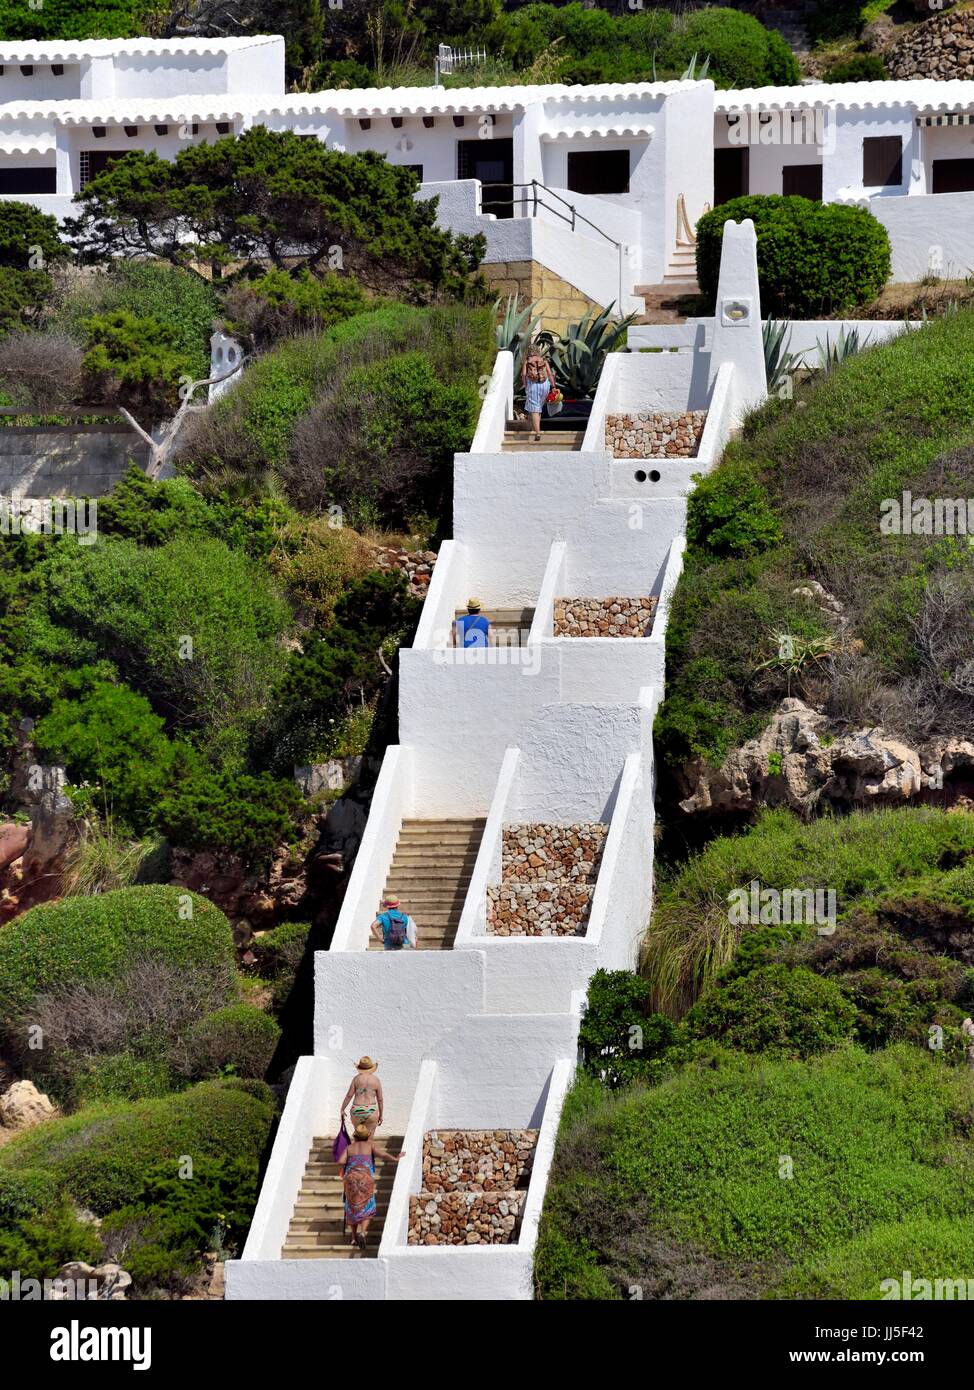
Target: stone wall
point(80, 462)
point(655, 434)
point(941, 47)
point(562, 303)
point(604, 617)
point(477, 1160)
point(548, 875)
point(474, 1187)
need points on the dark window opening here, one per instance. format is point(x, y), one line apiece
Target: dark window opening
point(882, 161)
point(802, 181)
point(492, 162)
point(95, 162)
point(953, 176)
point(35, 180)
point(731, 174)
point(599, 171)
point(416, 169)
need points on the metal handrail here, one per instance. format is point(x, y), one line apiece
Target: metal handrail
point(537, 202)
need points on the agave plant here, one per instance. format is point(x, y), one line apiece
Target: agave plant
point(778, 361)
point(831, 354)
point(691, 74)
point(578, 355)
point(516, 328)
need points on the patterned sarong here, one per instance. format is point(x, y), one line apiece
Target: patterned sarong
point(359, 1185)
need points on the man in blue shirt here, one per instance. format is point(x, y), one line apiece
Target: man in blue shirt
point(472, 629)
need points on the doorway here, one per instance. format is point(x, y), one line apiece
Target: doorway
point(731, 174)
point(802, 181)
point(492, 162)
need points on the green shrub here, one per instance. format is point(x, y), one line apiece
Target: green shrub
point(104, 1155)
point(108, 737)
point(240, 814)
point(278, 304)
point(98, 938)
point(742, 52)
point(933, 1249)
point(123, 1076)
point(239, 1038)
point(176, 1219)
point(619, 1040)
point(57, 20)
point(25, 1192)
point(861, 67)
point(193, 625)
point(775, 1010)
point(692, 936)
point(813, 258)
point(730, 513)
point(38, 1246)
point(697, 1164)
point(136, 361)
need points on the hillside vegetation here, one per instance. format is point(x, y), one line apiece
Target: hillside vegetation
point(798, 498)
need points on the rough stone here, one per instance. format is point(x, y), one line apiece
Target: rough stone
point(548, 875)
point(604, 617)
point(655, 434)
point(23, 1106)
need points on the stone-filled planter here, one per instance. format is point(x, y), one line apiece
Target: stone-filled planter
point(474, 1187)
point(548, 875)
point(651, 434)
point(604, 617)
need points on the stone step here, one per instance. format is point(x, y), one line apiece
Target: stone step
point(402, 876)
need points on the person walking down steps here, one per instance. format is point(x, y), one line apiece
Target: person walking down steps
point(537, 378)
point(357, 1166)
point(395, 928)
point(366, 1093)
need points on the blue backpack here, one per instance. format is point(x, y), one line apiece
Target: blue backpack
point(394, 925)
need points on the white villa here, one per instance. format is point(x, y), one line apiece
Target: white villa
point(599, 187)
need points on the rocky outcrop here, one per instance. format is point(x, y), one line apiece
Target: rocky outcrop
point(32, 856)
point(941, 47)
point(23, 1106)
point(800, 760)
point(416, 565)
point(77, 1280)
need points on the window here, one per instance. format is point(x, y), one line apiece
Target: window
point(36, 180)
point(416, 169)
point(882, 161)
point(599, 171)
point(802, 180)
point(95, 162)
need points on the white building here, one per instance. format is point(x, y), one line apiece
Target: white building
point(600, 186)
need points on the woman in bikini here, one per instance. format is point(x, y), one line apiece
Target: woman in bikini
point(537, 379)
point(366, 1091)
point(357, 1166)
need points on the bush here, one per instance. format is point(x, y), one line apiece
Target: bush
point(123, 1076)
point(619, 1040)
point(240, 814)
point(38, 1246)
point(862, 67)
point(135, 361)
point(742, 52)
point(279, 305)
point(24, 1193)
point(777, 1011)
point(239, 1038)
point(104, 1156)
point(730, 513)
point(697, 1165)
point(193, 625)
point(813, 258)
point(692, 936)
point(161, 1236)
point(81, 940)
point(108, 737)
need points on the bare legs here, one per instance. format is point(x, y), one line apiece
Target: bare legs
point(536, 424)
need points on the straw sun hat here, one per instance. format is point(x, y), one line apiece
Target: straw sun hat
point(366, 1064)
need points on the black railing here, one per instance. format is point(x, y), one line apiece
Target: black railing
point(536, 201)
